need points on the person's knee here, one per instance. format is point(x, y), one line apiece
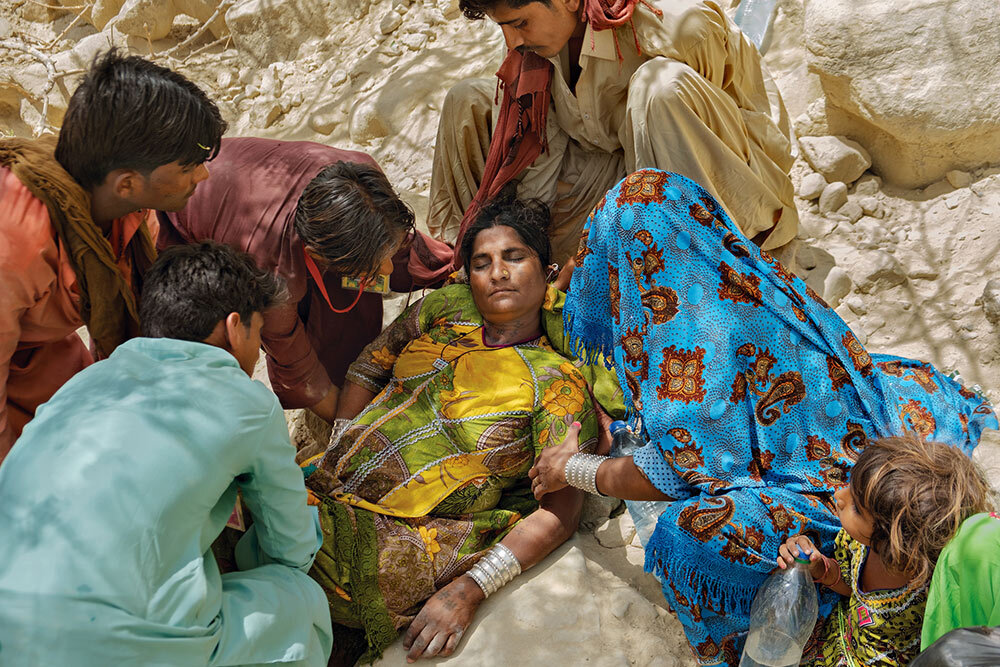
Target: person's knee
point(468, 95)
point(661, 83)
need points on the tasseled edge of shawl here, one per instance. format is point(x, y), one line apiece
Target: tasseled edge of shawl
point(681, 560)
point(589, 341)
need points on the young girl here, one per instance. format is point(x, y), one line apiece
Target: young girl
point(905, 500)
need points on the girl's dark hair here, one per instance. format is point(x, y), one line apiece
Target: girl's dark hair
point(917, 493)
point(476, 9)
point(350, 215)
point(191, 288)
point(529, 218)
point(132, 114)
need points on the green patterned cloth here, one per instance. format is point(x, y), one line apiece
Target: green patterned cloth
point(434, 471)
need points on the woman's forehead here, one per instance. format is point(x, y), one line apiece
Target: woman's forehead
point(498, 239)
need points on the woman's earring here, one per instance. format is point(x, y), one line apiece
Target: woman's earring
point(553, 272)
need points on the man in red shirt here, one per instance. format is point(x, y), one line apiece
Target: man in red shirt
point(74, 240)
point(290, 204)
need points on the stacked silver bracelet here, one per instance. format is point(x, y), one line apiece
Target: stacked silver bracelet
point(581, 471)
point(497, 567)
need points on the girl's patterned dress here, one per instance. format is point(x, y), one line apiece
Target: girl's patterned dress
point(880, 627)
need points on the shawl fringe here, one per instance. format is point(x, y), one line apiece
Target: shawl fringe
point(680, 559)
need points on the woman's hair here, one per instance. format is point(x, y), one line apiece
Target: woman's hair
point(129, 113)
point(917, 493)
point(191, 288)
point(350, 215)
point(529, 218)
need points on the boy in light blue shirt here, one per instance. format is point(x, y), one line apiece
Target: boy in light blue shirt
point(113, 495)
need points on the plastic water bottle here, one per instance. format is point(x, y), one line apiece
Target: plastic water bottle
point(644, 513)
point(782, 617)
point(754, 17)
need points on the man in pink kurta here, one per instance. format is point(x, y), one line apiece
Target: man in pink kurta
point(74, 238)
point(250, 203)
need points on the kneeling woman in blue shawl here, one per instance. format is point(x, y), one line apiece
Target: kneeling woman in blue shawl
point(755, 396)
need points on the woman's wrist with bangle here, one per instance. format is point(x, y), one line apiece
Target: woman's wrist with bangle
point(581, 471)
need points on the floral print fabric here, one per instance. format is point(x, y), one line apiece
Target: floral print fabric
point(749, 386)
point(437, 463)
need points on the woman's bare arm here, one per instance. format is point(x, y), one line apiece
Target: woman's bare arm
point(438, 627)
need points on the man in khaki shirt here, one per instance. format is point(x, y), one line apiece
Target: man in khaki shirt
point(694, 99)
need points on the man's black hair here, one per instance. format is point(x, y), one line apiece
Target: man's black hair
point(191, 288)
point(350, 215)
point(530, 218)
point(132, 114)
point(475, 10)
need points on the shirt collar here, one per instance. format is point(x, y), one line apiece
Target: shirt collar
point(599, 44)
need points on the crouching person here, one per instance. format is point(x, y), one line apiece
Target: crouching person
point(113, 495)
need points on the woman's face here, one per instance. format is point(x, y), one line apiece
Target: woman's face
point(506, 276)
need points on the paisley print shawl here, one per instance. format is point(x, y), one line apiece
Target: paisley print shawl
point(749, 387)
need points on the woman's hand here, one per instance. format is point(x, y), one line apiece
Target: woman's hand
point(438, 627)
point(801, 546)
point(549, 472)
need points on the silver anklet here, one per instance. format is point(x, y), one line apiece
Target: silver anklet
point(495, 569)
point(581, 471)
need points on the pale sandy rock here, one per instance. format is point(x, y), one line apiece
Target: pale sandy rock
point(265, 31)
point(916, 126)
point(872, 233)
point(811, 186)
point(616, 531)
point(868, 184)
point(870, 206)
point(366, 123)
point(836, 158)
point(852, 211)
point(834, 196)
point(265, 111)
point(596, 510)
point(856, 304)
point(837, 285)
point(880, 271)
point(225, 79)
point(991, 301)
point(34, 76)
point(155, 18)
point(815, 226)
point(959, 178)
point(390, 22)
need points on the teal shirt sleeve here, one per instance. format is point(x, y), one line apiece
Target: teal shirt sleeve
point(286, 528)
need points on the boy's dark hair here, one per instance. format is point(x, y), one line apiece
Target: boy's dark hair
point(351, 216)
point(529, 218)
point(917, 493)
point(475, 10)
point(129, 113)
point(191, 288)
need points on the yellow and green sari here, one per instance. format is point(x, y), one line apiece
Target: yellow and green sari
point(434, 471)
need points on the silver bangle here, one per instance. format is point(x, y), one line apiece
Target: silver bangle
point(581, 471)
point(495, 569)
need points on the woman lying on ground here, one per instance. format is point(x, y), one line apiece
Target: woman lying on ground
point(755, 396)
point(453, 402)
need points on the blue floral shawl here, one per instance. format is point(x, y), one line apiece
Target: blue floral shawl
point(750, 388)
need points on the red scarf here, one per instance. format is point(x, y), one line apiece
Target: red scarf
point(519, 137)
